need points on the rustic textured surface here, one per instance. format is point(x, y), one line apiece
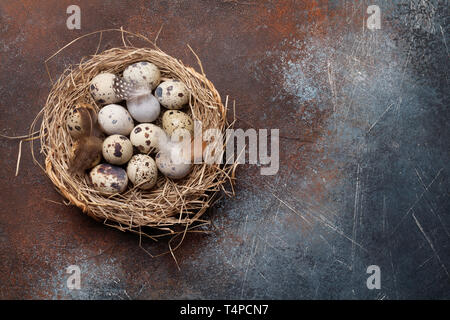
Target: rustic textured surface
point(364, 153)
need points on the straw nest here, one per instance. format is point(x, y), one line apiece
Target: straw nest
point(171, 207)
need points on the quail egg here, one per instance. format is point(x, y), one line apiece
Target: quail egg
point(117, 149)
point(172, 167)
point(101, 88)
point(172, 94)
point(144, 108)
point(115, 119)
point(108, 179)
point(142, 171)
point(143, 73)
point(146, 137)
point(174, 119)
point(74, 121)
point(180, 134)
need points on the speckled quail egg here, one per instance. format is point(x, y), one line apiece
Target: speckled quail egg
point(108, 179)
point(101, 88)
point(117, 149)
point(115, 119)
point(143, 73)
point(142, 171)
point(74, 121)
point(172, 167)
point(172, 94)
point(174, 119)
point(146, 136)
point(144, 108)
point(180, 134)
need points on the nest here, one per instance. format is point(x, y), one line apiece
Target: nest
point(171, 207)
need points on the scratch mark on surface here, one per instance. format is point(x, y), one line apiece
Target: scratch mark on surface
point(344, 264)
point(384, 214)
point(251, 255)
point(420, 178)
point(281, 239)
point(332, 85)
point(387, 109)
point(381, 296)
point(443, 38)
point(321, 219)
point(244, 234)
point(276, 249)
point(290, 208)
point(400, 98)
point(126, 293)
point(417, 201)
point(355, 211)
point(437, 215)
point(431, 245)
point(340, 232)
point(440, 220)
point(333, 250)
point(423, 263)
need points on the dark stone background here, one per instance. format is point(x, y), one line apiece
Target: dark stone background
point(363, 180)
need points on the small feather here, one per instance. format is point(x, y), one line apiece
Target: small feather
point(88, 146)
point(129, 89)
point(86, 150)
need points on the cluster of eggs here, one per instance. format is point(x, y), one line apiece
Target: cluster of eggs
point(131, 137)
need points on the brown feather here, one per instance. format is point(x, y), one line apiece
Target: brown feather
point(86, 151)
point(88, 147)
